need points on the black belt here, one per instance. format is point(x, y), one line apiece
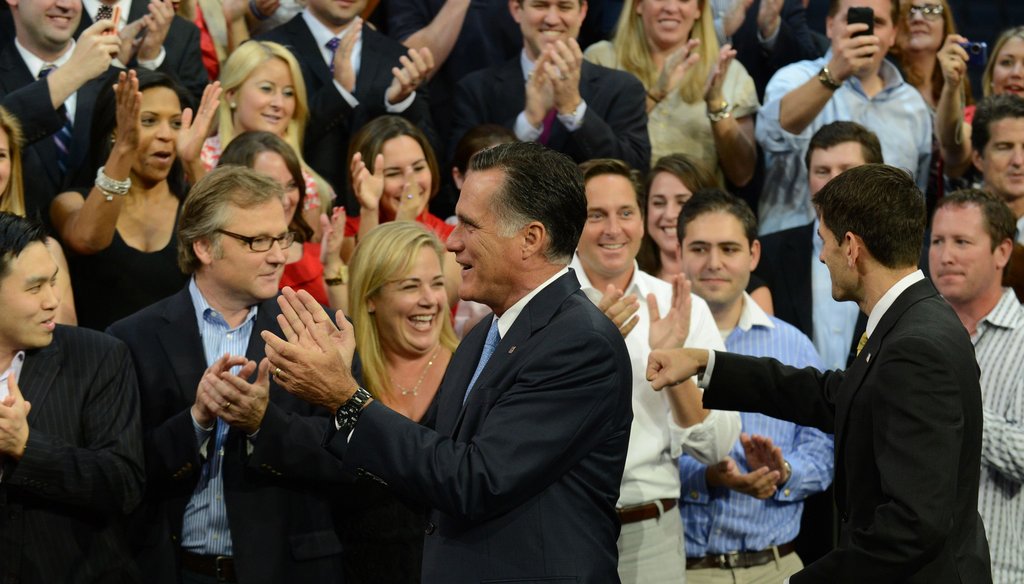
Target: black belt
point(220, 567)
point(645, 511)
point(740, 559)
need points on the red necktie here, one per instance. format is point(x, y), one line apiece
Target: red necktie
point(549, 122)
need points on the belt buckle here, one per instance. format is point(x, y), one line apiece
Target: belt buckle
point(729, 560)
point(218, 570)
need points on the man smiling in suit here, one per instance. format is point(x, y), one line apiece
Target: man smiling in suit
point(50, 82)
point(906, 414)
point(549, 94)
point(70, 440)
point(525, 450)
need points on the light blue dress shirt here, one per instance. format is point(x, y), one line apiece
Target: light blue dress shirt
point(720, 520)
point(205, 529)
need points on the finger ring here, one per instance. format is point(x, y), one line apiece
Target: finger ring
point(564, 76)
point(227, 405)
point(277, 371)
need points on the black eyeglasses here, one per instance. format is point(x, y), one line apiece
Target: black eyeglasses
point(263, 242)
point(928, 11)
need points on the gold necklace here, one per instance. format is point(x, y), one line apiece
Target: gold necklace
point(415, 389)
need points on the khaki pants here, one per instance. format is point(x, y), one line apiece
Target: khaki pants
point(651, 551)
point(770, 573)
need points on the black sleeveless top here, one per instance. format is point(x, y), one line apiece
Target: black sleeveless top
point(122, 280)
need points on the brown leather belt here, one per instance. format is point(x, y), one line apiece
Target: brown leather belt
point(645, 511)
point(740, 559)
point(220, 567)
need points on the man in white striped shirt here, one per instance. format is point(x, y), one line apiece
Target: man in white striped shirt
point(972, 236)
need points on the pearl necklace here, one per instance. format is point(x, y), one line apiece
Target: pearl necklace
point(415, 389)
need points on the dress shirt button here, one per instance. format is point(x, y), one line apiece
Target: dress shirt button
point(785, 492)
point(431, 528)
point(694, 495)
point(844, 517)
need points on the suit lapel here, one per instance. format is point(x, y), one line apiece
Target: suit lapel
point(855, 374)
point(456, 378)
point(306, 48)
point(508, 92)
point(182, 344)
point(370, 67)
point(535, 315)
point(38, 375)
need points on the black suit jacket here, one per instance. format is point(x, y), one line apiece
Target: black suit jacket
point(62, 506)
point(183, 60)
point(277, 493)
point(907, 422)
point(615, 125)
point(28, 99)
point(785, 267)
point(524, 478)
point(332, 121)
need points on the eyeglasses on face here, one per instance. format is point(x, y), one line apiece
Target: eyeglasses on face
point(929, 11)
point(262, 242)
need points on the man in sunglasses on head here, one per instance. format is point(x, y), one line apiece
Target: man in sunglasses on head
point(237, 482)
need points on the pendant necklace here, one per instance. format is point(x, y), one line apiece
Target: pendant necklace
point(416, 388)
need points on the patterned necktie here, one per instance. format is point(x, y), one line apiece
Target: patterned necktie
point(863, 341)
point(61, 139)
point(549, 122)
point(493, 338)
point(333, 46)
point(104, 12)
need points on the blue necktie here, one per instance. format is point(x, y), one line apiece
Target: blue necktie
point(493, 338)
point(62, 139)
point(333, 46)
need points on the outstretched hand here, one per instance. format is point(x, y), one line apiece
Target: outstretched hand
point(313, 361)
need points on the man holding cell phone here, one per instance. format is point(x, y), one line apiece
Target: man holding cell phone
point(852, 82)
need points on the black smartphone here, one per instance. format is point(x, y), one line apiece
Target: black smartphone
point(977, 54)
point(862, 14)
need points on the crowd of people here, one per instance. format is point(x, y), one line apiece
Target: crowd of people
point(323, 291)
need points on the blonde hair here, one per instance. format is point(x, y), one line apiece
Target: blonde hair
point(248, 57)
point(634, 54)
point(389, 251)
point(12, 197)
point(1016, 32)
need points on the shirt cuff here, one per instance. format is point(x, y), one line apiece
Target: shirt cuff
point(524, 131)
point(154, 64)
point(348, 97)
point(704, 379)
point(202, 434)
point(574, 121)
point(397, 108)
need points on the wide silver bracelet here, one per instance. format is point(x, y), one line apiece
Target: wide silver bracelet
point(110, 187)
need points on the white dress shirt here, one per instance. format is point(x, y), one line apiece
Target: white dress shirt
point(655, 440)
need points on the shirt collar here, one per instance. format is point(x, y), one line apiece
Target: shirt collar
point(35, 64)
point(752, 315)
point(636, 283)
point(1007, 313)
point(206, 313)
point(506, 320)
point(321, 34)
point(887, 299)
point(527, 65)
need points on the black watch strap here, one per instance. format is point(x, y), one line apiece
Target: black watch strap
point(348, 413)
